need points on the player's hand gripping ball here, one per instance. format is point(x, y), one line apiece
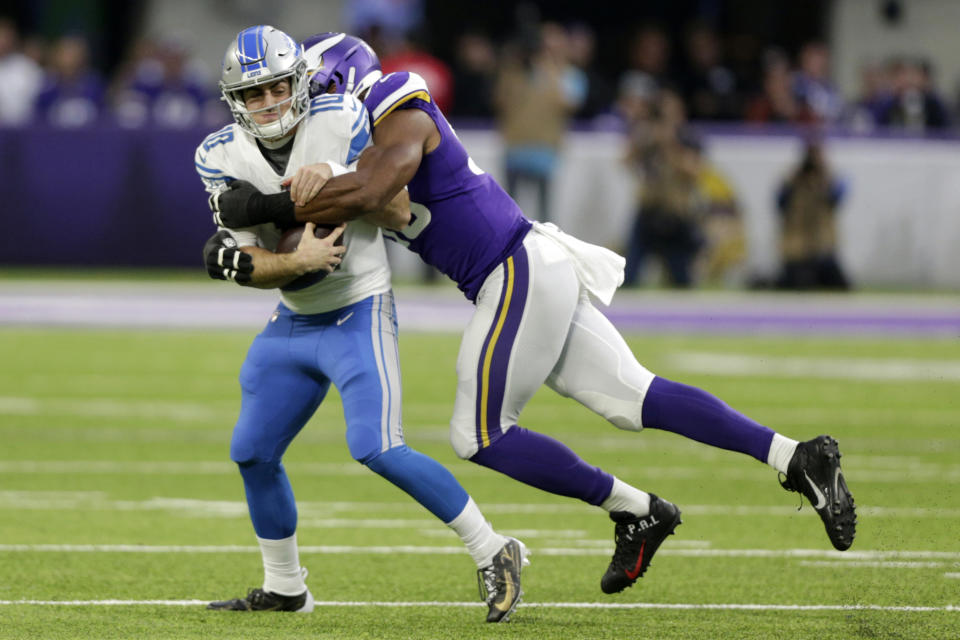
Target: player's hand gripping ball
point(288, 244)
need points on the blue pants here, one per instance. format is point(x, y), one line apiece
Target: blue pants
point(285, 377)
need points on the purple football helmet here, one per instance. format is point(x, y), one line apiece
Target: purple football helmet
point(345, 60)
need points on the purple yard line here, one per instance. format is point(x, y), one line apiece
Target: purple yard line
point(424, 312)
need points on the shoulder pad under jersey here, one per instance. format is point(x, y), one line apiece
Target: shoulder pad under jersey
point(210, 160)
point(392, 90)
point(343, 116)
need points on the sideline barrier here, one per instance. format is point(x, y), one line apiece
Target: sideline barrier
point(115, 197)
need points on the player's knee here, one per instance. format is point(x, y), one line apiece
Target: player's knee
point(245, 451)
point(621, 413)
point(364, 445)
point(386, 463)
point(463, 441)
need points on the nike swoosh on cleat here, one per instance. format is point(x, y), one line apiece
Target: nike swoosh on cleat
point(636, 569)
point(836, 484)
point(821, 499)
point(340, 321)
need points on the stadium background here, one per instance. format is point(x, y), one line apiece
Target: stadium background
point(120, 513)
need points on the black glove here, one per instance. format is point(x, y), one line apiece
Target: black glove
point(225, 261)
point(242, 205)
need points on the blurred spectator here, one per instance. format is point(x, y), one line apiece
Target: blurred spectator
point(812, 86)
point(536, 92)
point(913, 104)
point(20, 77)
point(597, 96)
point(410, 54)
point(724, 237)
point(473, 76)
point(73, 93)
point(875, 93)
point(387, 19)
point(807, 202)
point(777, 103)
point(637, 105)
point(162, 88)
point(668, 225)
point(649, 51)
point(708, 87)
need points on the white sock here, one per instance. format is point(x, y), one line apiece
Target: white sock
point(623, 497)
point(281, 566)
point(481, 540)
point(781, 451)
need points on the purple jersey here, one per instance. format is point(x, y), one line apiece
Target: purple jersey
point(464, 223)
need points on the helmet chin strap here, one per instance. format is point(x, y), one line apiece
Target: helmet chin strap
point(276, 143)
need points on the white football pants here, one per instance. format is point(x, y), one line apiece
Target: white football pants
point(534, 323)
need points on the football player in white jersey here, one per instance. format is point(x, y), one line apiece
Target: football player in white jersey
point(335, 322)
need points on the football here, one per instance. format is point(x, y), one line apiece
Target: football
point(288, 244)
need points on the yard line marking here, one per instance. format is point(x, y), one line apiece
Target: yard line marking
point(741, 364)
point(534, 605)
point(449, 550)
point(110, 408)
point(926, 473)
point(319, 514)
point(951, 574)
point(873, 564)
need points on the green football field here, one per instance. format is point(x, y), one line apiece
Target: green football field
point(121, 514)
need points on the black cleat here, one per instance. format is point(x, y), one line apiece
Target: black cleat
point(260, 600)
point(814, 471)
point(500, 582)
point(637, 540)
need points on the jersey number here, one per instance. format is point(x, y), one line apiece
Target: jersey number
point(419, 219)
point(218, 138)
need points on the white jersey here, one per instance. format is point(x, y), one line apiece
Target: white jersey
point(336, 130)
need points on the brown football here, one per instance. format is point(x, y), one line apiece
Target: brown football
point(288, 244)
point(291, 237)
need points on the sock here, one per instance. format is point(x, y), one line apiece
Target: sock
point(426, 480)
point(696, 414)
point(479, 537)
point(781, 451)
point(623, 497)
point(545, 463)
point(281, 566)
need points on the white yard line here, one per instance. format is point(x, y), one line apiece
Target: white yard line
point(921, 473)
point(876, 564)
point(742, 364)
point(538, 605)
point(450, 550)
point(331, 514)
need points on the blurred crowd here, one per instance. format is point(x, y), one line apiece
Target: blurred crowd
point(535, 84)
point(160, 81)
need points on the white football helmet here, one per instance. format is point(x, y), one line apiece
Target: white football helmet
point(264, 55)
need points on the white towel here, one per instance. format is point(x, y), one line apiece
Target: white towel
point(598, 269)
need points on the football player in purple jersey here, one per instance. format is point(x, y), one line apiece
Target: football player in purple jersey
point(535, 322)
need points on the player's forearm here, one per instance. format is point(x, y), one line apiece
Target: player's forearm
point(381, 174)
point(396, 215)
point(274, 270)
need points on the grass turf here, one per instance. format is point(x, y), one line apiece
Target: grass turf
point(121, 438)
